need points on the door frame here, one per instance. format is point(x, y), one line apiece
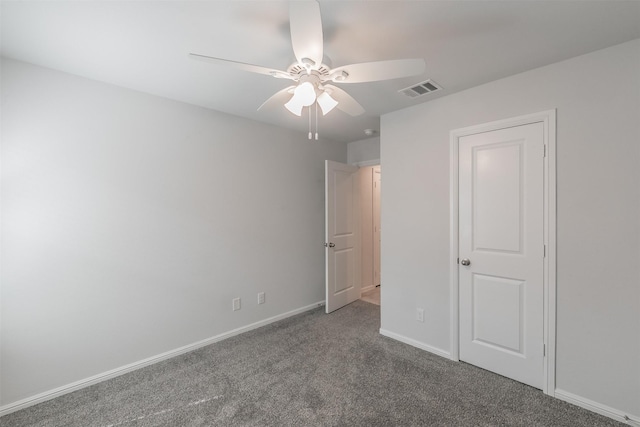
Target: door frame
point(379, 214)
point(366, 179)
point(548, 118)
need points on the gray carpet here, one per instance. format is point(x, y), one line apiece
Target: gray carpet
point(309, 370)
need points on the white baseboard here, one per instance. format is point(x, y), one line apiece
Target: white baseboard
point(598, 408)
point(364, 289)
point(415, 343)
point(51, 394)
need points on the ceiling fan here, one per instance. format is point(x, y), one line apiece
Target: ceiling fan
point(312, 77)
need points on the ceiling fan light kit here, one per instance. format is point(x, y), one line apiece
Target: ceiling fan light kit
point(294, 107)
point(305, 93)
point(326, 102)
point(310, 74)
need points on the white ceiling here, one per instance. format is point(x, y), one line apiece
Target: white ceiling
point(144, 45)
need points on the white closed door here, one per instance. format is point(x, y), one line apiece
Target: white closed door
point(342, 238)
point(501, 251)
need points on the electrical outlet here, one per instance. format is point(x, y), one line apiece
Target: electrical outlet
point(261, 298)
point(236, 304)
point(420, 315)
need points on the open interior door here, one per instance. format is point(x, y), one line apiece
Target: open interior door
point(342, 235)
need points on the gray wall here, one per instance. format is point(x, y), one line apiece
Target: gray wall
point(364, 150)
point(597, 97)
point(130, 222)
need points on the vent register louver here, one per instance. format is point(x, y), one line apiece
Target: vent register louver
point(420, 89)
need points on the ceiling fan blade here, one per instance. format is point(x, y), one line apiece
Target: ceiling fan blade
point(379, 70)
point(242, 66)
point(279, 97)
point(306, 31)
point(345, 101)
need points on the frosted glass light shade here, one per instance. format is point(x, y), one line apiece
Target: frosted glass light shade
point(306, 94)
point(326, 102)
point(294, 106)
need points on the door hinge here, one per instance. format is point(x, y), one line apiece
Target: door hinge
point(458, 260)
point(544, 350)
point(544, 251)
point(545, 151)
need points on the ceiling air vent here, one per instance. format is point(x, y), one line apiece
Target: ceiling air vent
point(420, 89)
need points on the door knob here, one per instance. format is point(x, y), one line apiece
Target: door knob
point(331, 245)
point(465, 262)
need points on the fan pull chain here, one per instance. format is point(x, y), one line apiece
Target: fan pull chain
point(309, 122)
point(316, 121)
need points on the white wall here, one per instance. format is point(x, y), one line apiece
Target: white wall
point(363, 151)
point(130, 222)
point(597, 97)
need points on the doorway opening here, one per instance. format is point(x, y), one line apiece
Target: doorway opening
point(352, 222)
point(370, 178)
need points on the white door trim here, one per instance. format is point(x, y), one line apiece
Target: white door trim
point(548, 118)
point(364, 163)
